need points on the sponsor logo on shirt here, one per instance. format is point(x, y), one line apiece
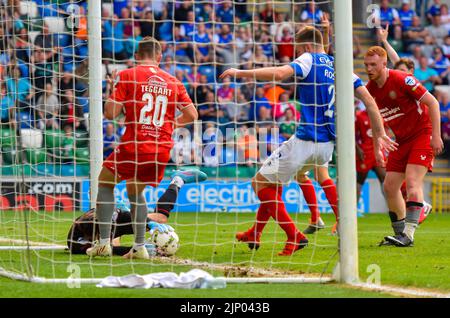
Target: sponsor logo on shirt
point(390, 114)
point(410, 81)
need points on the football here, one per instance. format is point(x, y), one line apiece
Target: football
point(166, 243)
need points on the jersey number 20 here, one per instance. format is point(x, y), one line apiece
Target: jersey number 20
point(160, 108)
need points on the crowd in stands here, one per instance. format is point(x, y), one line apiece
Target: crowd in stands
point(44, 67)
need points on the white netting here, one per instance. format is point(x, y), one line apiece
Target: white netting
point(45, 171)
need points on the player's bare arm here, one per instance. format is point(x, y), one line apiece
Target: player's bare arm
point(381, 139)
point(188, 115)
point(383, 37)
point(112, 108)
point(435, 116)
point(279, 73)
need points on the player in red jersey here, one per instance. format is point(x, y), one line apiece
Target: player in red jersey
point(149, 98)
point(412, 114)
point(365, 155)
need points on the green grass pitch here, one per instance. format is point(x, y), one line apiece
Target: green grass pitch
point(208, 238)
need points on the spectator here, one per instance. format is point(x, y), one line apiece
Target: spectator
point(247, 146)
point(132, 43)
point(445, 108)
point(181, 47)
point(312, 13)
point(6, 103)
point(68, 144)
point(187, 27)
point(113, 40)
point(441, 65)
point(267, 15)
point(426, 75)
point(389, 16)
point(202, 42)
point(168, 65)
point(285, 41)
point(225, 12)
point(224, 45)
point(406, 15)
point(261, 109)
point(445, 17)
point(259, 59)
point(279, 109)
point(20, 89)
point(43, 70)
point(416, 33)
point(244, 44)
point(48, 108)
point(434, 10)
point(288, 123)
point(23, 46)
point(200, 92)
point(273, 93)
point(71, 112)
point(267, 46)
point(148, 27)
point(225, 93)
point(437, 30)
point(417, 54)
point(110, 140)
point(208, 110)
point(128, 23)
point(446, 46)
point(181, 11)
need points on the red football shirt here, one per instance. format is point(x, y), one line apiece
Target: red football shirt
point(400, 107)
point(150, 97)
point(363, 131)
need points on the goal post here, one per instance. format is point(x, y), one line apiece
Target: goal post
point(345, 142)
point(95, 95)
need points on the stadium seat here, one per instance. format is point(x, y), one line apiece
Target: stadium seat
point(28, 8)
point(7, 137)
point(31, 138)
point(8, 155)
point(55, 24)
point(53, 139)
point(82, 155)
point(35, 156)
point(45, 169)
point(81, 138)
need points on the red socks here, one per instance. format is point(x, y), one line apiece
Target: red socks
point(311, 199)
point(329, 188)
point(263, 215)
point(273, 205)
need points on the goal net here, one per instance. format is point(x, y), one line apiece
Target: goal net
point(49, 164)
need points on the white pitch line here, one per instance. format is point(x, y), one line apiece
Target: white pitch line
point(414, 292)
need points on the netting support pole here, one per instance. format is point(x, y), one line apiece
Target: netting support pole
point(95, 95)
point(348, 242)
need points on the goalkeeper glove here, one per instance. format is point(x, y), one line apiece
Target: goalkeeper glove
point(161, 228)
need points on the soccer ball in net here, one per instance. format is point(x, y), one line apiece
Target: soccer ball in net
point(166, 243)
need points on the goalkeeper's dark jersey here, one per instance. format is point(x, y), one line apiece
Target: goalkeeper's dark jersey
point(81, 232)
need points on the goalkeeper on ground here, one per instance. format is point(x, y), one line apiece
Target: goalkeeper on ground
point(81, 233)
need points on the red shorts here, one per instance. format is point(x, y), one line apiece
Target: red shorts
point(148, 169)
point(416, 151)
point(369, 162)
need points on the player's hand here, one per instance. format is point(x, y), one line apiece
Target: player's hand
point(162, 228)
point(383, 33)
point(379, 157)
point(437, 144)
point(325, 22)
point(157, 217)
point(386, 143)
point(112, 79)
point(232, 72)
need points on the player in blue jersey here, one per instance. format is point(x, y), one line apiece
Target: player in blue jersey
point(313, 143)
